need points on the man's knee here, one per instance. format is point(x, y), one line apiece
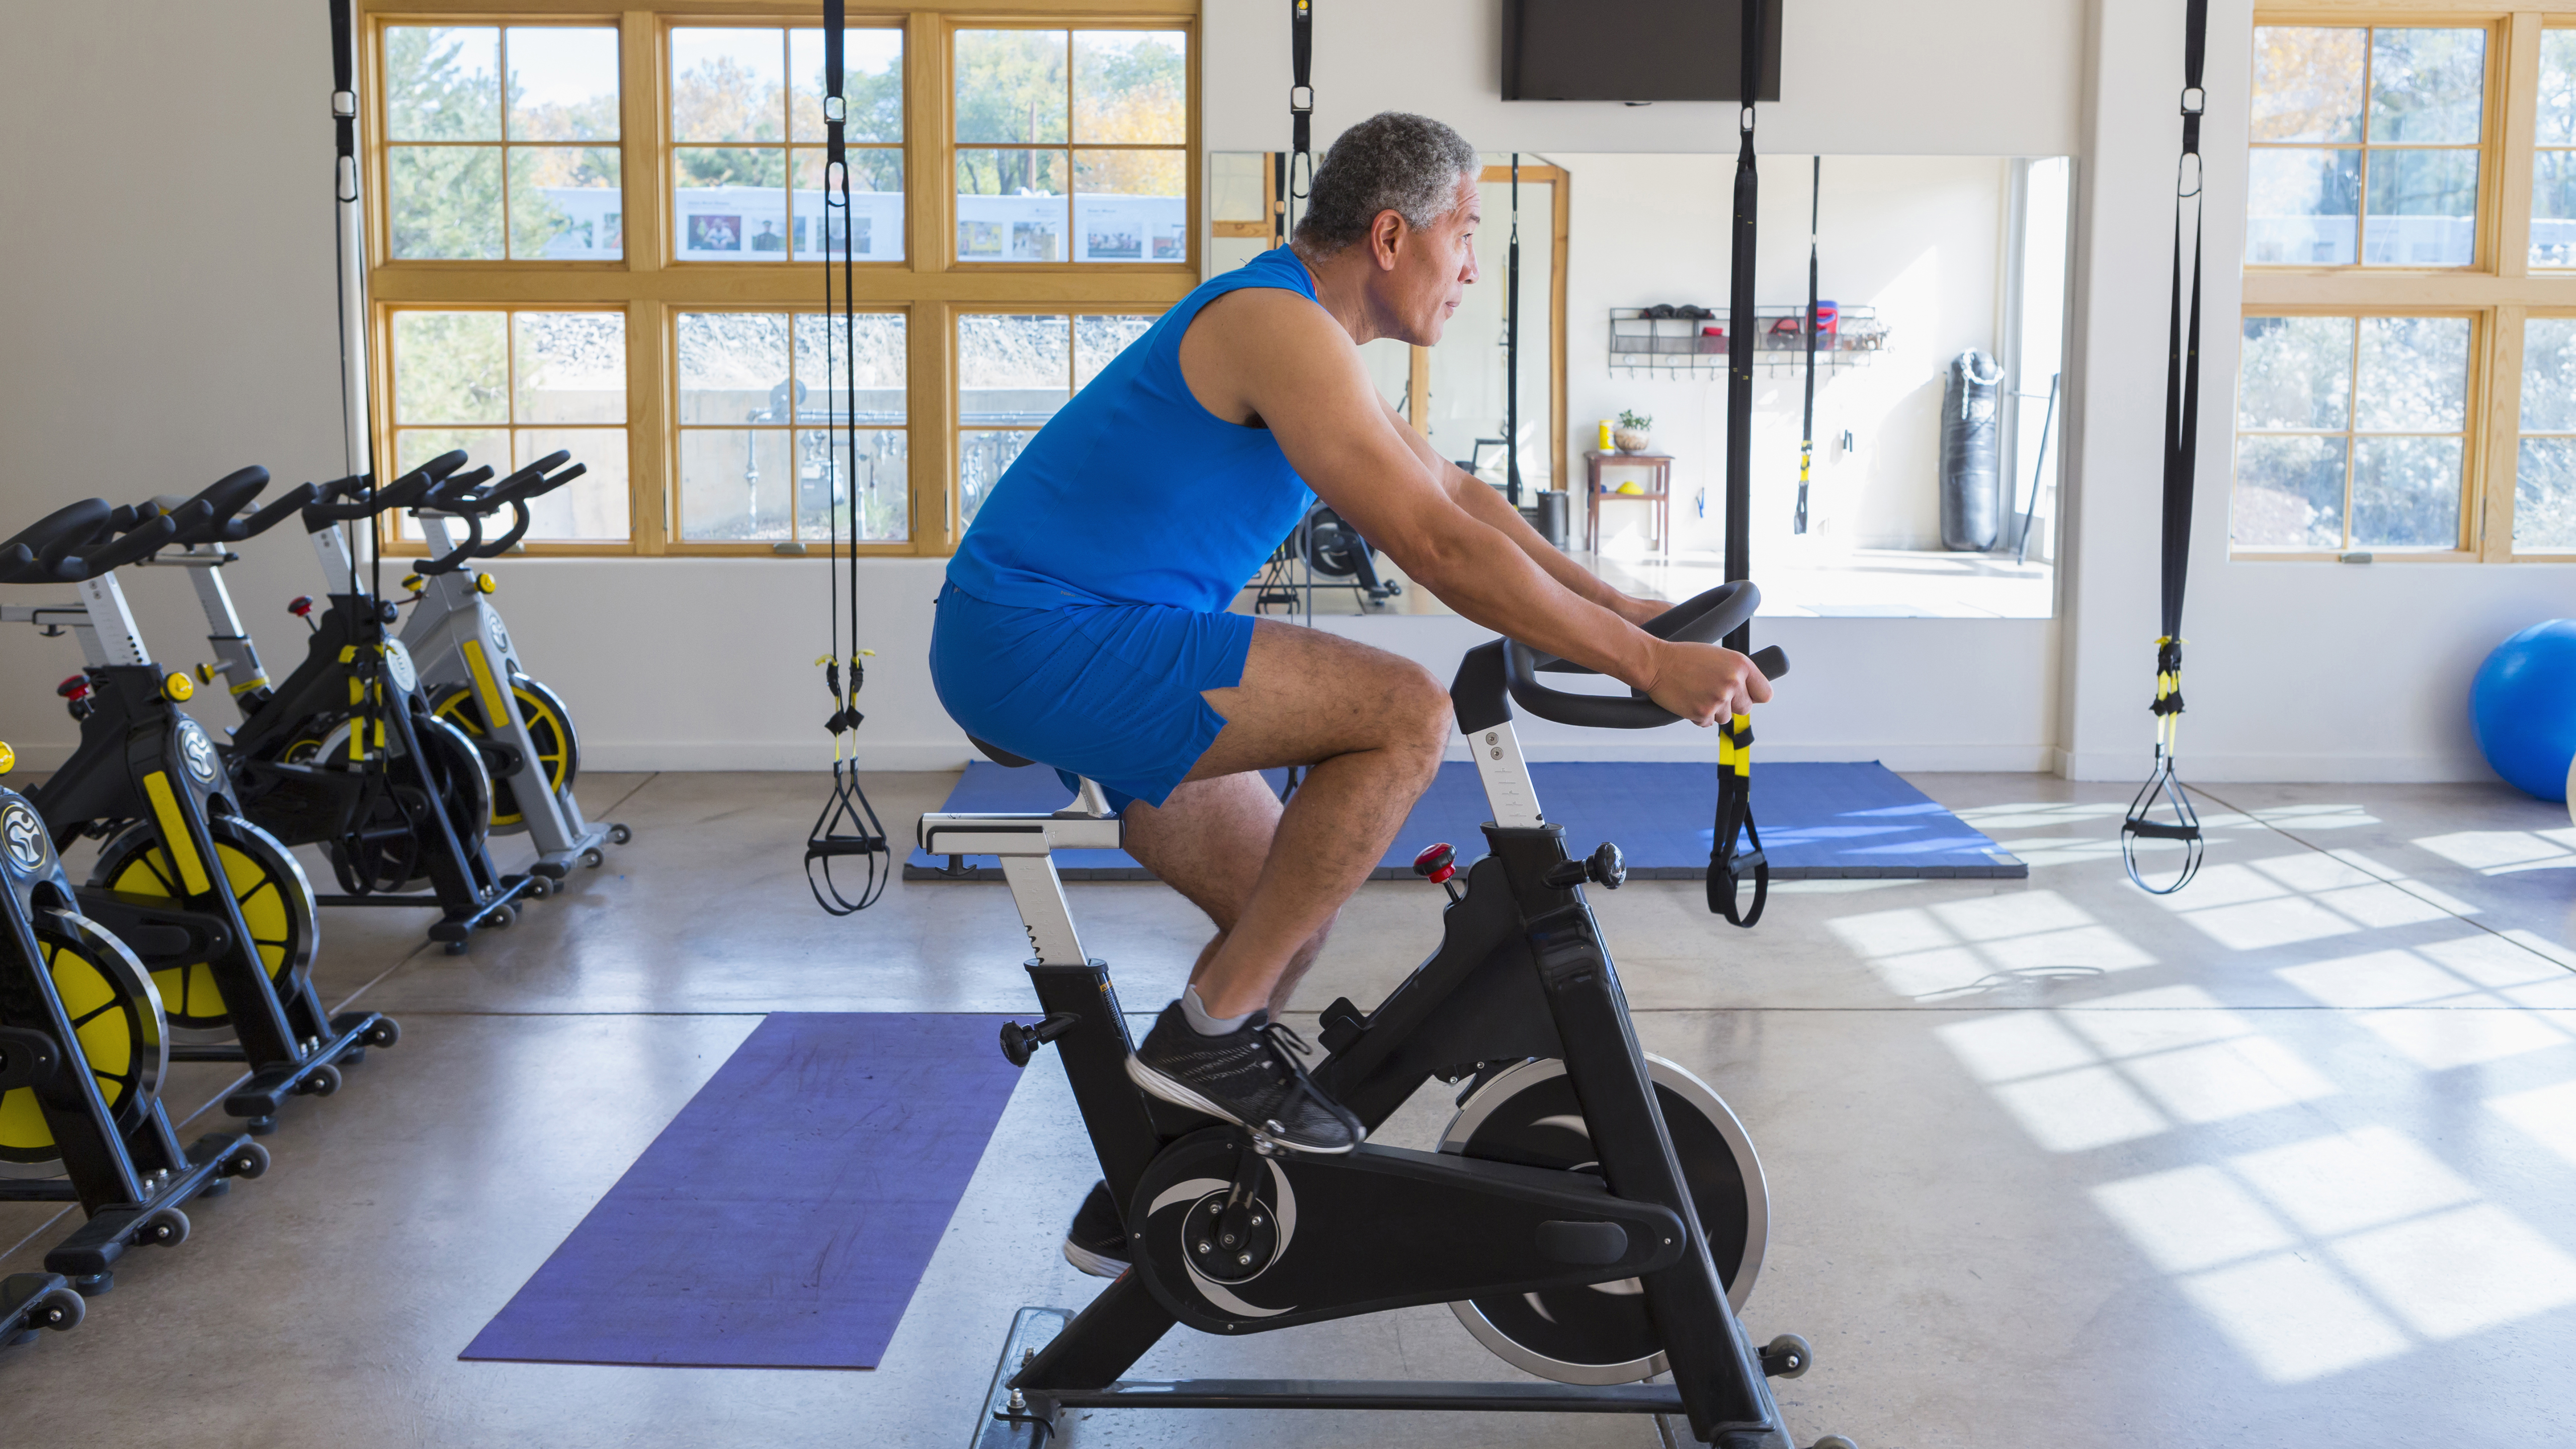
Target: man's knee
point(1423, 712)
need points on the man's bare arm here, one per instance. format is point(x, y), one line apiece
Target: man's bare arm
point(1267, 355)
point(1488, 507)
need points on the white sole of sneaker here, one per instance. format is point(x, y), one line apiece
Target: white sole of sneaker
point(1091, 1262)
point(1155, 1084)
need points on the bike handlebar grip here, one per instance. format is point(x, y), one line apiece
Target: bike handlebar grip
point(1521, 665)
point(142, 540)
point(455, 558)
point(304, 496)
point(1704, 618)
point(532, 487)
point(1773, 661)
point(57, 533)
point(520, 519)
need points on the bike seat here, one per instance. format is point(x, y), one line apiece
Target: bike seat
point(998, 755)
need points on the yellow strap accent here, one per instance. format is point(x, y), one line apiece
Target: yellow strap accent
point(348, 653)
point(495, 708)
point(174, 834)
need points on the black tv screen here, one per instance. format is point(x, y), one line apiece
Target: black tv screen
point(1633, 50)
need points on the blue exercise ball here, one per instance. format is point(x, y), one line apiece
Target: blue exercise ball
point(2523, 704)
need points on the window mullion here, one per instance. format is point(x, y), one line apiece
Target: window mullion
point(643, 186)
point(2510, 135)
point(2492, 537)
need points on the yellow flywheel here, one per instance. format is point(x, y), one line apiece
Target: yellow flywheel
point(549, 728)
point(269, 888)
point(116, 1018)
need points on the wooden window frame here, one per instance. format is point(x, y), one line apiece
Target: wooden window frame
point(2499, 290)
point(652, 287)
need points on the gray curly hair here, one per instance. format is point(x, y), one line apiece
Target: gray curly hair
point(1392, 161)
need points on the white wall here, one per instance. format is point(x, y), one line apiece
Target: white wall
point(1918, 237)
point(1857, 77)
point(2306, 671)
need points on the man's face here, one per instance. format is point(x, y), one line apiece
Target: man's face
point(1433, 266)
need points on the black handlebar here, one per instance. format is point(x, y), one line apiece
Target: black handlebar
point(145, 538)
point(29, 555)
point(329, 506)
point(1704, 619)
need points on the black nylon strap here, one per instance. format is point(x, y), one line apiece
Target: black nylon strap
point(836, 108)
point(1807, 429)
point(1301, 94)
point(344, 98)
point(1734, 786)
point(1512, 346)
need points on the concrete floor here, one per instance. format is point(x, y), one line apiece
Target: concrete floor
point(2287, 1159)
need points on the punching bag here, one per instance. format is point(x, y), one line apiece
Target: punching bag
point(1971, 495)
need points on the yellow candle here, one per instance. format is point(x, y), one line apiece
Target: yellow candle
point(1605, 435)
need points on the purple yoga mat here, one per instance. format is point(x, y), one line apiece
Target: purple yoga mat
point(784, 1218)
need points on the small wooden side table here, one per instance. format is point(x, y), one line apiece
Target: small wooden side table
point(1659, 491)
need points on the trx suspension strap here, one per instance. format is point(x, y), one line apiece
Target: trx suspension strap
point(2182, 429)
point(1512, 346)
point(1807, 430)
point(1286, 185)
point(848, 824)
point(349, 240)
point(1727, 864)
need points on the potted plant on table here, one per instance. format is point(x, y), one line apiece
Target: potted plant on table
point(1631, 434)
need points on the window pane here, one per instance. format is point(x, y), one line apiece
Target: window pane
point(1098, 340)
point(415, 446)
point(1131, 86)
point(2553, 209)
point(445, 202)
point(590, 508)
point(569, 367)
point(2297, 373)
point(451, 367)
point(733, 366)
point(1012, 368)
point(871, 82)
point(728, 85)
point(1238, 186)
point(1129, 206)
point(2544, 496)
point(563, 84)
point(1010, 206)
point(2289, 493)
point(2406, 492)
point(824, 364)
point(2549, 375)
point(442, 83)
point(2302, 208)
point(828, 477)
point(2414, 375)
point(2423, 209)
point(565, 205)
point(1010, 85)
point(982, 459)
point(2556, 123)
point(2307, 83)
point(731, 203)
point(733, 484)
point(876, 206)
point(2426, 86)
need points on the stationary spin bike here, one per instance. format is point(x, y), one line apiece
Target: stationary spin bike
point(474, 678)
point(1594, 1215)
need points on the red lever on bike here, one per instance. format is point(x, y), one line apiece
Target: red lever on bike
point(300, 605)
point(1436, 864)
point(75, 688)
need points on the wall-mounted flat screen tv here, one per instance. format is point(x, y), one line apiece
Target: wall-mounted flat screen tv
point(1633, 50)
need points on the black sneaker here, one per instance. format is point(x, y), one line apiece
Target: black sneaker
point(1252, 1077)
point(1097, 1241)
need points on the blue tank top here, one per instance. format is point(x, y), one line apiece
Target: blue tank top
point(1135, 494)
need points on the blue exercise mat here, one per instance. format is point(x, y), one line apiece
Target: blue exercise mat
point(784, 1218)
point(1818, 821)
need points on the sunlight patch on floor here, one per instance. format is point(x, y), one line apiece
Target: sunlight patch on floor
point(1959, 945)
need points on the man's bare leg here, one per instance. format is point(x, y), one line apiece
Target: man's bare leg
point(1208, 842)
point(1370, 726)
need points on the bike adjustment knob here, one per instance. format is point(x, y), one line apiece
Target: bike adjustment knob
point(1436, 864)
point(1605, 868)
point(74, 689)
point(300, 606)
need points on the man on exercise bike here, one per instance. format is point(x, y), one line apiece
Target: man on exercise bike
point(1084, 623)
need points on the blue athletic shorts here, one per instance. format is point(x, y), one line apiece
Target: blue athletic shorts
point(1107, 691)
